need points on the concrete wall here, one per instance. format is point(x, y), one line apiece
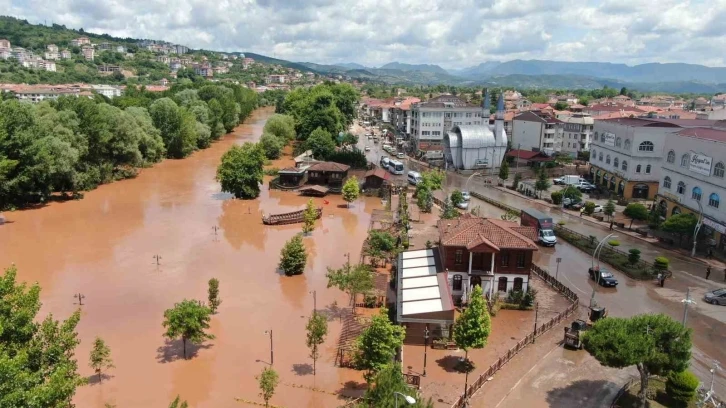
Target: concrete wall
point(527, 135)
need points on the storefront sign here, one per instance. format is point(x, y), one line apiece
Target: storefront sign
point(700, 164)
point(713, 224)
point(609, 139)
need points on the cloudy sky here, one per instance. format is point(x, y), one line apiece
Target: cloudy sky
point(451, 33)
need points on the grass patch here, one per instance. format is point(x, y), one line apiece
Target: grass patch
point(657, 397)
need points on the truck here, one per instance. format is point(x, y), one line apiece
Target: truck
point(542, 224)
point(571, 179)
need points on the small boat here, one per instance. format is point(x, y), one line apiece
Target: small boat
point(288, 218)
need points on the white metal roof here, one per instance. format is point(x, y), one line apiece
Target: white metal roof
point(420, 282)
point(421, 306)
point(419, 289)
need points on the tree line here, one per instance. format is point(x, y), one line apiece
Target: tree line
point(74, 144)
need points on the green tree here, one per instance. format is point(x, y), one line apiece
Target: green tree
point(100, 358)
point(457, 197)
point(424, 197)
point(434, 179)
point(321, 143)
point(351, 279)
point(272, 145)
point(268, 381)
point(681, 387)
point(381, 244)
point(240, 171)
point(654, 344)
point(683, 224)
point(556, 197)
point(293, 256)
point(317, 329)
point(609, 209)
point(213, 295)
point(517, 179)
point(178, 403)
point(560, 106)
point(473, 326)
point(448, 211)
point(377, 344)
point(633, 256)
point(589, 208)
point(189, 320)
point(635, 211)
point(542, 183)
point(510, 215)
point(351, 190)
point(310, 216)
point(504, 170)
point(282, 126)
point(37, 362)
point(388, 381)
point(177, 127)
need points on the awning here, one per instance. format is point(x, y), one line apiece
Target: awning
point(423, 291)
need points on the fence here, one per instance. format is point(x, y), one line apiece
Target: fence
point(495, 202)
point(528, 339)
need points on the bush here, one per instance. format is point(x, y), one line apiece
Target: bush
point(272, 171)
point(681, 387)
point(633, 256)
point(560, 223)
point(556, 197)
point(589, 208)
point(614, 243)
point(293, 256)
point(661, 263)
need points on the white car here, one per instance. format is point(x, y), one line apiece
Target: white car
point(400, 155)
point(463, 205)
point(368, 148)
point(466, 195)
point(598, 208)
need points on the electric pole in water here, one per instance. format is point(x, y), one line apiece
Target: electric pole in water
point(80, 298)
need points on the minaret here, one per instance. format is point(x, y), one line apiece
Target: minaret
point(486, 101)
point(499, 122)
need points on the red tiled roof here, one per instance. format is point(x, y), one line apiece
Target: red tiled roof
point(378, 172)
point(329, 166)
point(470, 231)
point(536, 106)
point(718, 135)
point(524, 154)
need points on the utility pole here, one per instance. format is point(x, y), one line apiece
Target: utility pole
point(698, 227)
point(272, 355)
point(215, 228)
point(426, 346)
point(80, 298)
point(158, 260)
point(686, 302)
point(536, 317)
point(557, 272)
point(315, 301)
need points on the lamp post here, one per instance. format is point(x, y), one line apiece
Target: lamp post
point(686, 302)
point(272, 355)
point(698, 227)
point(557, 272)
point(409, 399)
point(598, 248)
point(536, 317)
point(315, 301)
point(426, 347)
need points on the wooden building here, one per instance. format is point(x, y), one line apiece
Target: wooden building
point(329, 174)
point(292, 176)
point(376, 178)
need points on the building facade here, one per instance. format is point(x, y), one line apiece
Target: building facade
point(88, 53)
point(538, 131)
point(693, 173)
point(576, 132)
point(433, 118)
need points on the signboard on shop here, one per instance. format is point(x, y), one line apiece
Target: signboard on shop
point(609, 139)
point(713, 224)
point(700, 163)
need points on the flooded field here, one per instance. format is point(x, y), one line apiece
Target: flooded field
point(104, 247)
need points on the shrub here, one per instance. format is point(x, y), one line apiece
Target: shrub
point(633, 256)
point(561, 223)
point(556, 197)
point(614, 243)
point(515, 296)
point(681, 387)
point(589, 208)
point(529, 298)
point(429, 244)
point(661, 263)
point(272, 171)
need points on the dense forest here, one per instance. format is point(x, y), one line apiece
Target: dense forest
point(74, 144)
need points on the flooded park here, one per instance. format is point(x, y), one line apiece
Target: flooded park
point(134, 248)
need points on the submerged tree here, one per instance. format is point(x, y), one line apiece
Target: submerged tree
point(213, 295)
point(351, 279)
point(268, 381)
point(309, 217)
point(377, 344)
point(188, 320)
point(317, 329)
point(293, 256)
point(351, 190)
point(240, 171)
point(100, 358)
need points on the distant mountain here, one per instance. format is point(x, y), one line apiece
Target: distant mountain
point(269, 60)
point(351, 65)
point(481, 69)
point(324, 69)
point(411, 67)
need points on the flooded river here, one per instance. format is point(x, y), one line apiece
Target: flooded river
point(104, 247)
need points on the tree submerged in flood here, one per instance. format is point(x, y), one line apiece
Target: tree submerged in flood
point(240, 172)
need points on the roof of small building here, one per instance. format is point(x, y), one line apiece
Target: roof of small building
point(640, 122)
point(442, 101)
point(471, 231)
point(536, 116)
point(525, 154)
point(329, 166)
point(377, 172)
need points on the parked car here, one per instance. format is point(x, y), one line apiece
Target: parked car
point(400, 155)
point(466, 195)
point(570, 202)
point(585, 186)
point(577, 206)
point(605, 278)
point(368, 148)
point(463, 205)
point(598, 208)
point(559, 180)
point(716, 297)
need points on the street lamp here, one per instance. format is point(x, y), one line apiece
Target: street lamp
point(598, 248)
point(686, 302)
point(698, 227)
point(272, 355)
point(557, 272)
point(409, 399)
point(426, 347)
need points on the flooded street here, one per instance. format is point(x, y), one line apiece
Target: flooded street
point(104, 245)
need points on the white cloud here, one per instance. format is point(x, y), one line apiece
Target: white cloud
point(453, 33)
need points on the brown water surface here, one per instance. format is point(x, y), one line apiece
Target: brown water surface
point(103, 246)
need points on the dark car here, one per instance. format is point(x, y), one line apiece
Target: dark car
point(605, 278)
point(577, 206)
point(716, 297)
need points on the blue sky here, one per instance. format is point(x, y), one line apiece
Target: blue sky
point(451, 33)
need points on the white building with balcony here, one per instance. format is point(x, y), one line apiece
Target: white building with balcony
point(537, 131)
point(576, 132)
point(430, 120)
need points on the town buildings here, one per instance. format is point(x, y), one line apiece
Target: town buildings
point(577, 130)
point(107, 69)
point(77, 42)
point(65, 54)
point(537, 130)
point(276, 79)
point(692, 178)
point(4, 44)
point(401, 114)
point(88, 53)
point(431, 119)
point(108, 91)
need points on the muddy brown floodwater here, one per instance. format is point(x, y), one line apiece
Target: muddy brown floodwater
point(103, 246)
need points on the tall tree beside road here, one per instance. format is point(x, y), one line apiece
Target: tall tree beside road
point(321, 143)
point(213, 295)
point(681, 224)
point(351, 190)
point(189, 320)
point(268, 381)
point(542, 183)
point(609, 209)
point(504, 170)
point(37, 363)
point(388, 381)
point(448, 211)
point(293, 256)
point(377, 344)
point(517, 179)
point(457, 197)
point(100, 358)
point(654, 344)
point(635, 211)
point(317, 329)
point(240, 172)
point(473, 326)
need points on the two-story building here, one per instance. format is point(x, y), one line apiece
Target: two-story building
point(491, 253)
point(537, 131)
point(693, 178)
point(77, 42)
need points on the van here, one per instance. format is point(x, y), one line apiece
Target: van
point(414, 177)
point(385, 162)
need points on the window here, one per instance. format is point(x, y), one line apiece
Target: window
point(671, 157)
point(607, 159)
point(596, 136)
point(618, 142)
point(600, 157)
point(718, 170)
point(458, 257)
point(505, 259)
point(502, 284)
point(637, 168)
point(593, 154)
point(625, 165)
point(681, 187)
point(647, 169)
point(457, 282)
point(520, 260)
point(684, 160)
point(616, 162)
point(713, 200)
point(602, 138)
point(518, 284)
point(627, 144)
point(667, 182)
point(646, 147)
point(696, 193)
